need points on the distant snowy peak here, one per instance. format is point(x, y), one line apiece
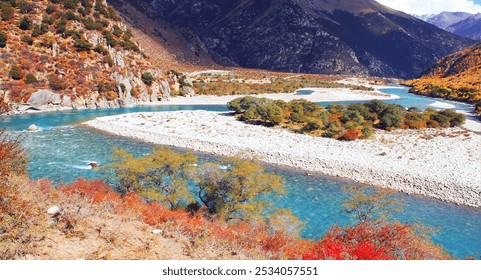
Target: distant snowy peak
point(460, 23)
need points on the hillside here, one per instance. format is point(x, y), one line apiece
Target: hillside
point(455, 77)
point(330, 37)
point(72, 54)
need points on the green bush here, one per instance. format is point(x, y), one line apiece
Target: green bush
point(82, 45)
point(16, 72)
point(3, 39)
point(27, 39)
point(147, 78)
point(7, 10)
point(25, 23)
point(31, 79)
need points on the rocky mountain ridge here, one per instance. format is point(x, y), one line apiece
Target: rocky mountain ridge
point(310, 36)
point(463, 24)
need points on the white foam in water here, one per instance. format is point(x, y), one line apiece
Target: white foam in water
point(81, 167)
point(442, 105)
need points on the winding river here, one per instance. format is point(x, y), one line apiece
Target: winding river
point(62, 149)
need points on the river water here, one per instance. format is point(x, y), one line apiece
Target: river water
point(62, 149)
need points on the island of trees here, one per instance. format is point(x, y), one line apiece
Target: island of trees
point(344, 122)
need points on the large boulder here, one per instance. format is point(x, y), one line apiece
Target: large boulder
point(40, 98)
point(55, 99)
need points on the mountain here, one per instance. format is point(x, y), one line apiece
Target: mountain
point(462, 24)
point(314, 36)
point(72, 54)
point(455, 77)
point(446, 19)
point(469, 27)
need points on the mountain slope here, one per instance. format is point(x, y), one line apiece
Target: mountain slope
point(72, 54)
point(469, 27)
point(446, 19)
point(456, 77)
point(462, 24)
point(315, 36)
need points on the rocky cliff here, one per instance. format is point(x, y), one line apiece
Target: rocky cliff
point(72, 54)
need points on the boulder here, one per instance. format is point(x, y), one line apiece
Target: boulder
point(67, 101)
point(55, 99)
point(32, 128)
point(40, 98)
point(54, 210)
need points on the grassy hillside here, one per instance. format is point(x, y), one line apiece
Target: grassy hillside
point(455, 77)
point(78, 49)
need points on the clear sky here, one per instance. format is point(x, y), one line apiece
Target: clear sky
point(423, 7)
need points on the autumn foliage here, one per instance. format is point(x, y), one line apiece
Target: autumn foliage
point(366, 241)
point(455, 77)
point(343, 122)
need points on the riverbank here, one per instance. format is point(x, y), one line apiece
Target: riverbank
point(316, 95)
point(443, 164)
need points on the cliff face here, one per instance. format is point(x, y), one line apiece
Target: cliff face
point(72, 54)
point(314, 36)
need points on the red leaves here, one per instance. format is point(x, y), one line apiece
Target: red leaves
point(363, 241)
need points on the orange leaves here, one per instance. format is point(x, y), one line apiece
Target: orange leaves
point(350, 135)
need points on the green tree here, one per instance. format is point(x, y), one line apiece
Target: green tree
point(16, 72)
point(147, 78)
point(83, 45)
point(162, 176)
point(7, 10)
point(31, 79)
point(25, 23)
point(232, 192)
point(3, 39)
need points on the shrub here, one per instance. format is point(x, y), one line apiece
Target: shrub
point(3, 39)
point(31, 79)
point(83, 45)
point(50, 9)
point(56, 83)
point(16, 72)
point(25, 23)
point(13, 159)
point(7, 10)
point(27, 39)
point(147, 78)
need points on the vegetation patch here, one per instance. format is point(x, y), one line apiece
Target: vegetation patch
point(344, 122)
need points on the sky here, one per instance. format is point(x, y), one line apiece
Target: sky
point(424, 7)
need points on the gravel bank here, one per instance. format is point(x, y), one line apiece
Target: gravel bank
point(443, 164)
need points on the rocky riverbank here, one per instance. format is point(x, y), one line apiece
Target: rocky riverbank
point(443, 164)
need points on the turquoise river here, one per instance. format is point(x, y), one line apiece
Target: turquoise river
point(63, 148)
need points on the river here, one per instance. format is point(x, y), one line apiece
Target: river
point(62, 149)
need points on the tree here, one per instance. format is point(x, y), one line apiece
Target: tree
point(3, 39)
point(83, 45)
point(231, 192)
point(367, 204)
point(147, 78)
point(16, 72)
point(161, 176)
point(7, 10)
point(13, 159)
point(31, 79)
point(25, 23)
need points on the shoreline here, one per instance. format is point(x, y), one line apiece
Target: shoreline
point(401, 160)
point(320, 95)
